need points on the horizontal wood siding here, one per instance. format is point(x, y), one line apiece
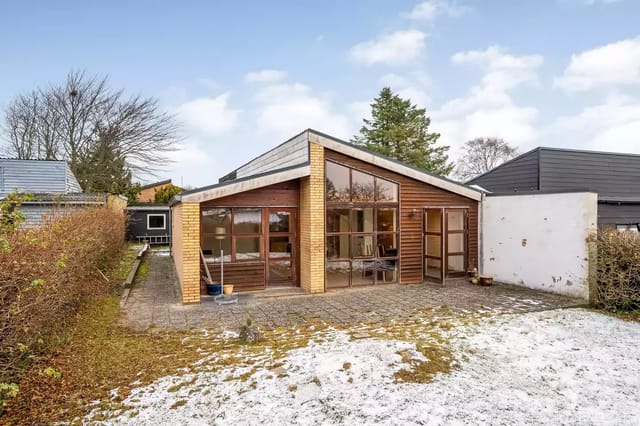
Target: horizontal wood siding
point(278, 195)
point(417, 195)
point(245, 276)
point(517, 175)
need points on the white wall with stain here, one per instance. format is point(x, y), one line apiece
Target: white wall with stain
point(540, 241)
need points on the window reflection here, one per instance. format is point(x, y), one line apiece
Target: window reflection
point(386, 191)
point(337, 185)
point(362, 187)
point(246, 221)
point(212, 219)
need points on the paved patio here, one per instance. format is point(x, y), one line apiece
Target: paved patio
point(156, 300)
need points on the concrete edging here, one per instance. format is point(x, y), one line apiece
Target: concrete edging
point(128, 282)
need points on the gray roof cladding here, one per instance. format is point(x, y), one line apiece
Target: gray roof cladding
point(36, 176)
point(614, 176)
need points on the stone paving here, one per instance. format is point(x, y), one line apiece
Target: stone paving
point(156, 300)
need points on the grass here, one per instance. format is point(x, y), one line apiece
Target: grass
point(121, 271)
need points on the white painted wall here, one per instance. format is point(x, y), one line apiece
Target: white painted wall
point(539, 240)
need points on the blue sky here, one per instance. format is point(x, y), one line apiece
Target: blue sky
point(244, 76)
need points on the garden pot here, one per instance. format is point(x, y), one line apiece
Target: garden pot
point(214, 289)
point(228, 289)
point(486, 280)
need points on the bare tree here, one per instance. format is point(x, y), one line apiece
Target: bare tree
point(82, 120)
point(481, 155)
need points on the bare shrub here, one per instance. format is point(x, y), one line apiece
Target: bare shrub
point(618, 276)
point(46, 274)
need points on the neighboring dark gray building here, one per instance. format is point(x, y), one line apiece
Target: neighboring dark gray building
point(149, 222)
point(614, 176)
point(36, 176)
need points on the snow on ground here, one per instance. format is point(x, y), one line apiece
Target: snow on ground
point(553, 367)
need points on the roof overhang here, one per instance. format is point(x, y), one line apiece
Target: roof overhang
point(225, 189)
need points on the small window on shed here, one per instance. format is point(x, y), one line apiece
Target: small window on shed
point(155, 221)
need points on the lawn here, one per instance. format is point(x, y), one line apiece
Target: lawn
point(555, 367)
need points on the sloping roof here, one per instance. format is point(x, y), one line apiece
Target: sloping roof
point(154, 184)
point(614, 176)
point(37, 176)
point(290, 160)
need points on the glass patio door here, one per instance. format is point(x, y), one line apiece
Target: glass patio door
point(433, 245)
point(445, 243)
point(456, 242)
point(281, 243)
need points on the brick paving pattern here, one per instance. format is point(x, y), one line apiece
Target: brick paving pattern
point(156, 300)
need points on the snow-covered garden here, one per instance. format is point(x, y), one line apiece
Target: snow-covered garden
point(569, 366)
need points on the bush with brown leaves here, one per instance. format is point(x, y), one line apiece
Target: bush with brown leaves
point(618, 276)
point(46, 274)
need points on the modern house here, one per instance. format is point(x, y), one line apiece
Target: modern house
point(149, 222)
point(319, 213)
point(615, 177)
point(148, 192)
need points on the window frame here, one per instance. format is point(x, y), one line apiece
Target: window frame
point(352, 206)
point(164, 221)
point(233, 235)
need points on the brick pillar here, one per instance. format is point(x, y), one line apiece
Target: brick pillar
point(312, 222)
point(186, 249)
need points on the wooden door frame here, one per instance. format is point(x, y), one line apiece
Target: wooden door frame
point(444, 241)
point(294, 256)
point(465, 242)
point(424, 244)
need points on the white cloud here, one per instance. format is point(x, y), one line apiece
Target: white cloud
point(611, 65)
point(208, 115)
point(613, 125)
point(431, 9)
point(397, 48)
point(411, 86)
point(265, 76)
point(489, 109)
point(286, 109)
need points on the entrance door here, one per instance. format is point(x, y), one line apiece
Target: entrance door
point(433, 245)
point(456, 242)
point(281, 247)
point(445, 243)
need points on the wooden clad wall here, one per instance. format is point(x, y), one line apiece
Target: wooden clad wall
point(283, 194)
point(417, 195)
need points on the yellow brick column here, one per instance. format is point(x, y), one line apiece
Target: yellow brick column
point(312, 222)
point(190, 265)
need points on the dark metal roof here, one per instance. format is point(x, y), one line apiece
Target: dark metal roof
point(614, 176)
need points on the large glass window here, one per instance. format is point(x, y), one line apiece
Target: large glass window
point(338, 182)
point(234, 232)
point(361, 226)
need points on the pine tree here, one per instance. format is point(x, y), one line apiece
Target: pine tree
point(400, 130)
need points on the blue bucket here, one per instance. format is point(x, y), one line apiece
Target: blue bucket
point(214, 289)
